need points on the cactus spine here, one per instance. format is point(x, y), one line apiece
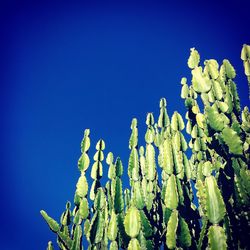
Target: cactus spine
point(174, 201)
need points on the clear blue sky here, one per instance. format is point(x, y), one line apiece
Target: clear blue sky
point(67, 67)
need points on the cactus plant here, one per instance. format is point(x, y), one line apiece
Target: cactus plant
point(174, 202)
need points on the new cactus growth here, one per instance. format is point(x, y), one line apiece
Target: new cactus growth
point(164, 212)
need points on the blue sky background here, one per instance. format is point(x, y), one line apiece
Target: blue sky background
point(66, 67)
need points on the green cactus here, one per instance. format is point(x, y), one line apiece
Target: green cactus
point(164, 212)
point(50, 246)
point(245, 57)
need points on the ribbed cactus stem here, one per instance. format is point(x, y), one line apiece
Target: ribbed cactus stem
point(97, 168)
point(150, 151)
point(245, 57)
point(132, 224)
point(133, 164)
point(50, 246)
point(96, 232)
point(66, 220)
point(81, 210)
point(163, 120)
point(116, 211)
point(110, 184)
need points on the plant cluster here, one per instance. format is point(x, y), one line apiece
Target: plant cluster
point(173, 201)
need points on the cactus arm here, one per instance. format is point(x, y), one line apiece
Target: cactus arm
point(184, 89)
point(97, 171)
point(217, 238)
point(214, 204)
point(138, 195)
point(200, 80)
point(216, 120)
point(115, 228)
point(67, 242)
point(96, 228)
point(167, 156)
point(50, 246)
point(171, 230)
point(113, 246)
point(53, 225)
point(134, 245)
point(171, 195)
point(82, 186)
point(145, 224)
point(112, 229)
point(83, 162)
point(150, 162)
point(163, 120)
point(232, 140)
point(81, 210)
point(86, 228)
point(84, 209)
point(202, 233)
point(133, 165)
point(118, 198)
point(245, 57)
point(77, 238)
point(132, 222)
point(194, 59)
point(184, 235)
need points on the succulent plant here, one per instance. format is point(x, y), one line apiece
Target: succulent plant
point(245, 57)
point(174, 201)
